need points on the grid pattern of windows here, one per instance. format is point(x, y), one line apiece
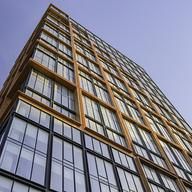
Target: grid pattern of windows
point(62, 98)
point(142, 99)
point(179, 162)
point(50, 147)
point(144, 144)
point(66, 130)
point(33, 113)
point(101, 175)
point(97, 146)
point(40, 83)
point(157, 126)
point(67, 171)
point(25, 151)
point(53, 63)
point(94, 87)
point(116, 82)
point(109, 67)
point(165, 113)
point(123, 159)
point(159, 182)
point(59, 24)
point(103, 121)
point(88, 64)
point(128, 107)
point(131, 81)
point(85, 51)
point(8, 185)
point(129, 181)
point(82, 39)
point(63, 48)
point(182, 139)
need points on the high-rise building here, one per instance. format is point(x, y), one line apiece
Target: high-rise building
point(79, 116)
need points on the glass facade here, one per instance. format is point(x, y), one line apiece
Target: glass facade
point(85, 118)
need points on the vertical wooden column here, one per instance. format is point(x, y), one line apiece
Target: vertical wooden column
point(79, 99)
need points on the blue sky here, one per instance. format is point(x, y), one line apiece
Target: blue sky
point(155, 34)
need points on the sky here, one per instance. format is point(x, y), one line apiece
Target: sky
point(155, 34)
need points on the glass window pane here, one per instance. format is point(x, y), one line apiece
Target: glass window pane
point(78, 160)
point(80, 182)
point(56, 176)
point(23, 108)
point(42, 141)
point(17, 129)
point(5, 184)
point(34, 114)
point(30, 136)
point(68, 180)
point(45, 119)
point(9, 157)
point(57, 148)
point(19, 187)
point(68, 153)
point(58, 126)
point(38, 173)
point(25, 163)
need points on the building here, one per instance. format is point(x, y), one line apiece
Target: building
point(78, 116)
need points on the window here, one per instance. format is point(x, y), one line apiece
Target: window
point(64, 27)
point(67, 130)
point(94, 87)
point(101, 175)
point(88, 65)
point(33, 113)
point(123, 159)
point(116, 82)
point(128, 107)
point(8, 185)
point(52, 19)
point(96, 145)
point(45, 57)
point(51, 30)
point(144, 144)
point(82, 39)
point(85, 51)
point(51, 40)
point(179, 162)
point(109, 67)
point(129, 181)
point(64, 101)
point(66, 50)
point(165, 113)
point(131, 81)
point(102, 51)
point(61, 46)
point(55, 64)
point(182, 139)
point(142, 99)
point(37, 97)
point(40, 83)
point(159, 181)
point(65, 69)
point(157, 126)
point(25, 151)
point(64, 38)
point(103, 121)
point(86, 82)
point(67, 171)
